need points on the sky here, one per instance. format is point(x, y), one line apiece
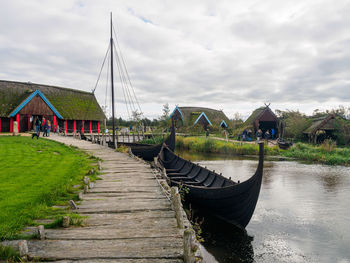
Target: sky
point(228, 55)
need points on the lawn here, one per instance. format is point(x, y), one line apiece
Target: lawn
point(34, 175)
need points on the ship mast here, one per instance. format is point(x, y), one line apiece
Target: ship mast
point(112, 81)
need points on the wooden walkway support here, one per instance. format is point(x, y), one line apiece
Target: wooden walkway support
point(129, 217)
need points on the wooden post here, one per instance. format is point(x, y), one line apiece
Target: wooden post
point(72, 205)
point(86, 180)
point(41, 232)
point(28, 122)
point(65, 221)
point(177, 206)
point(54, 123)
point(17, 119)
point(189, 246)
point(11, 125)
point(23, 249)
point(98, 127)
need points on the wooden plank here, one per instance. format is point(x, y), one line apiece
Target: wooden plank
point(130, 195)
point(107, 206)
point(111, 219)
point(124, 260)
point(139, 189)
point(151, 227)
point(139, 248)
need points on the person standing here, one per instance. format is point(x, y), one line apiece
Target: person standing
point(249, 134)
point(244, 135)
point(267, 136)
point(207, 133)
point(48, 128)
point(45, 127)
point(258, 135)
point(37, 126)
point(273, 133)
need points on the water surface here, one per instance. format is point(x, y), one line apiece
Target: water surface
point(303, 213)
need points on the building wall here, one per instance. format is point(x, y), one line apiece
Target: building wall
point(36, 107)
point(5, 124)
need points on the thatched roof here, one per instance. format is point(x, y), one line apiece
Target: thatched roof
point(191, 114)
point(322, 123)
point(71, 104)
point(258, 113)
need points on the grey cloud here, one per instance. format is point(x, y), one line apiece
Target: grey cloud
point(196, 53)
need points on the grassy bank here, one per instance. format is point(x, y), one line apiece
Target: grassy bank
point(319, 154)
point(34, 175)
point(201, 144)
point(324, 154)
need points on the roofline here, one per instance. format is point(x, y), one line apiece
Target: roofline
point(223, 121)
point(29, 98)
point(49, 86)
point(205, 108)
point(267, 108)
point(202, 114)
point(177, 108)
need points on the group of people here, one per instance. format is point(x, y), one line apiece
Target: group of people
point(247, 135)
point(44, 126)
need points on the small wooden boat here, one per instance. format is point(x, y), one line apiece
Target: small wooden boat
point(231, 201)
point(148, 152)
point(283, 144)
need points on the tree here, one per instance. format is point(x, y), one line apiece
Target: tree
point(164, 119)
point(136, 116)
point(166, 112)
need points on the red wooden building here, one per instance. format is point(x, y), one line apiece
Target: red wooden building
point(67, 109)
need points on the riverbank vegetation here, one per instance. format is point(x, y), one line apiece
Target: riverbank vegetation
point(326, 153)
point(34, 176)
point(204, 145)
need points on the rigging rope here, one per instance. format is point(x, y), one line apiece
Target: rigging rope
point(99, 75)
point(107, 86)
point(126, 70)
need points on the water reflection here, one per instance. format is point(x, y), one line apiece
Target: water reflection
point(223, 241)
point(301, 216)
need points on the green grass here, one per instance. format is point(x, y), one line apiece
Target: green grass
point(319, 154)
point(201, 144)
point(34, 175)
point(325, 154)
point(155, 140)
point(9, 254)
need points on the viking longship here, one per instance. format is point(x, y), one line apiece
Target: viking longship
point(283, 144)
point(231, 201)
point(149, 151)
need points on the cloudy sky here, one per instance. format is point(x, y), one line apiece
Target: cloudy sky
point(230, 55)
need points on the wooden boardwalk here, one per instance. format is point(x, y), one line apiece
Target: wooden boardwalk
point(129, 217)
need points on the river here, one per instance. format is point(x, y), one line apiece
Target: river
point(303, 214)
